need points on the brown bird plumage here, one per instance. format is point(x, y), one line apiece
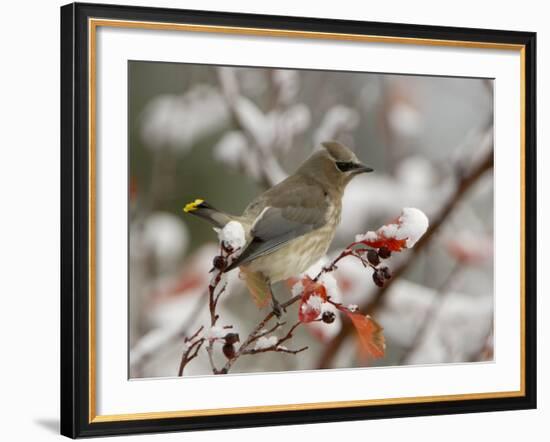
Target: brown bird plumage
point(290, 226)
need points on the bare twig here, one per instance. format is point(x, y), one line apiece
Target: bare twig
point(278, 345)
point(213, 299)
point(192, 347)
point(348, 251)
point(258, 332)
point(268, 332)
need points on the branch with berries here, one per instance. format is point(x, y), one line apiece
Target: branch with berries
point(467, 177)
point(315, 303)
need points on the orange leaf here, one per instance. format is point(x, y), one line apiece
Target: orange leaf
point(310, 306)
point(395, 245)
point(369, 332)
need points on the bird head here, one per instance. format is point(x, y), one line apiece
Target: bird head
point(334, 165)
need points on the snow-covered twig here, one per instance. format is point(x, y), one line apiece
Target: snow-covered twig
point(260, 332)
point(232, 238)
point(229, 247)
point(264, 344)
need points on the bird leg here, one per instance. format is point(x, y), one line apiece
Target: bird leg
point(276, 305)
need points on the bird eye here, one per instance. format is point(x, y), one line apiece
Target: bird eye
point(345, 166)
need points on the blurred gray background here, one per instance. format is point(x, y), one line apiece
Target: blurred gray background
point(225, 134)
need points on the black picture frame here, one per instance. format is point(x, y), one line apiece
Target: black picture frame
point(75, 219)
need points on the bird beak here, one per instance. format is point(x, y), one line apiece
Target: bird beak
point(361, 168)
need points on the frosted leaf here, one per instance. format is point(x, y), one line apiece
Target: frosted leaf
point(410, 226)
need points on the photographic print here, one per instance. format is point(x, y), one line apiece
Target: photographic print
point(292, 219)
point(312, 220)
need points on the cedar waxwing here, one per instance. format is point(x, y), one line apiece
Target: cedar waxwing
point(290, 226)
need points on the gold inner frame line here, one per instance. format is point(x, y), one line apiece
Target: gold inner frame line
point(93, 24)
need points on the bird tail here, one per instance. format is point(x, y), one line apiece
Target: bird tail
point(204, 210)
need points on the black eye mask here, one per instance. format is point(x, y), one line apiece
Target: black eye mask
point(346, 166)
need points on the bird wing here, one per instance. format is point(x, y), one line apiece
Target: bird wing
point(286, 216)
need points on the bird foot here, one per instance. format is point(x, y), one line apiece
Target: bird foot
point(277, 308)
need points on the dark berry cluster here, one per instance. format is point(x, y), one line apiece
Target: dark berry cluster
point(328, 317)
point(380, 274)
point(220, 262)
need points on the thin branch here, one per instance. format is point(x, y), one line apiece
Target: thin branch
point(267, 332)
point(193, 345)
point(188, 356)
point(348, 251)
point(213, 299)
point(277, 347)
point(274, 348)
point(257, 332)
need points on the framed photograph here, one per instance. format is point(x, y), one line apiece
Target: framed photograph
point(278, 220)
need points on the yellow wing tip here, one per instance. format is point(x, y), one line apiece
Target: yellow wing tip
point(189, 207)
